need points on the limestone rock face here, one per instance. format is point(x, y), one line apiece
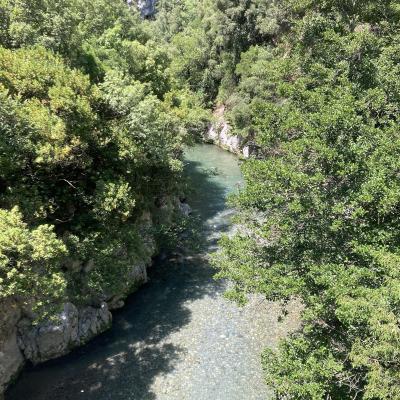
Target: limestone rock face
point(71, 328)
point(11, 358)
point(219, 134)
point(49, 340)
point(93, 321)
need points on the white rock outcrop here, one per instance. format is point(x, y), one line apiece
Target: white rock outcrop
point(219, 133)
point(92, 322)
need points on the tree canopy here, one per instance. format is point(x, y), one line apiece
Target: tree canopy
point(320, 205)
point(94, 110)
point(91, 134)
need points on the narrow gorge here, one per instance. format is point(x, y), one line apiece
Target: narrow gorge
point(199, 200)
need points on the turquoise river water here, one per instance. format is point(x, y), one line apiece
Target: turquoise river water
point(177, 338)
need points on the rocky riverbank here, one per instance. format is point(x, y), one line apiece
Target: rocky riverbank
point(220, 133)
point(22, 340)
point(178, 338)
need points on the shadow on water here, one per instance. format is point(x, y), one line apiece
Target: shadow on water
point(123, 363)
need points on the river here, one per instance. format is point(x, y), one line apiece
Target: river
point(177, 338)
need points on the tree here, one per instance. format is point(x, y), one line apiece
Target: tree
point(319, 208)
point(90, 140)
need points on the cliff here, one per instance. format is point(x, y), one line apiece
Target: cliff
point(220, 133)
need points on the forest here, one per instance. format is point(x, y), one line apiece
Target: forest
point(97, 105)
point(92, 128)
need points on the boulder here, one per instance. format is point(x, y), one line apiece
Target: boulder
point(49, 339)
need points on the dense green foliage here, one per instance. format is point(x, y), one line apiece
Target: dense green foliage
point(321, 202)
point(91, 135)
point(316, 85)
point(95, 107)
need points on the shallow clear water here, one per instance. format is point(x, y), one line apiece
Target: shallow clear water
point(177, 337)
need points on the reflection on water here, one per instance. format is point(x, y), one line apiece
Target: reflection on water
point(124, 362)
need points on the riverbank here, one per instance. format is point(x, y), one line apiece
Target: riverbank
point(220, 133)
point(177, 337)
point(24, 341)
